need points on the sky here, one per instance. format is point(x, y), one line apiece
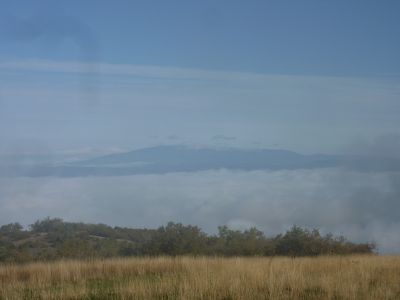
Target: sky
point(85, 78)
point(309, 76)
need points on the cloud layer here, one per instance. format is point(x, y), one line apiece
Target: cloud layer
point(361, 206)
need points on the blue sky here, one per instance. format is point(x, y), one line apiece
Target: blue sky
point(279, 37)
point(309, 76)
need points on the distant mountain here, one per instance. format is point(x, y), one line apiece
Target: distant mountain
point(180, 158)
point(167, 159)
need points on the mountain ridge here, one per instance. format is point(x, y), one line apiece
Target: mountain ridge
point(178, 158)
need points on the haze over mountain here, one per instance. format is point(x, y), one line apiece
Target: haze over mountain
point(177, 158)
point(170, 158)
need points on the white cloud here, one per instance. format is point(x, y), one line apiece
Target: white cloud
point(178, 73)
point(137, 70)
point(361, 206)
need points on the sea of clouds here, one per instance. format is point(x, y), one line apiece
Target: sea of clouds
point(359, 205)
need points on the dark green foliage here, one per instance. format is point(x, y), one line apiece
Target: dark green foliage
point(302, 242)
point(235, 242)
point(177, 239)
point(13, 231)
point(53, 239)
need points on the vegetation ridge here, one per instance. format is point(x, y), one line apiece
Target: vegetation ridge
point(51, 239)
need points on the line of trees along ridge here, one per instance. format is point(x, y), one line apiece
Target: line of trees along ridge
point(52, 238)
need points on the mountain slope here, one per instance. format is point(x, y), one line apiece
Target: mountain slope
point(168, 159)
point(181, 158)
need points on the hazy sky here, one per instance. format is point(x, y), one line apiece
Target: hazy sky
point(309, 76)
point(91, 77)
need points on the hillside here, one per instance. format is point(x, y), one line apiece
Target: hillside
point(51, 239)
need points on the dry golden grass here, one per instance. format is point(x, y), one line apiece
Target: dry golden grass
point(349, 277)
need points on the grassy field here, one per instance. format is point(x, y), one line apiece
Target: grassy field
point(348, 277)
